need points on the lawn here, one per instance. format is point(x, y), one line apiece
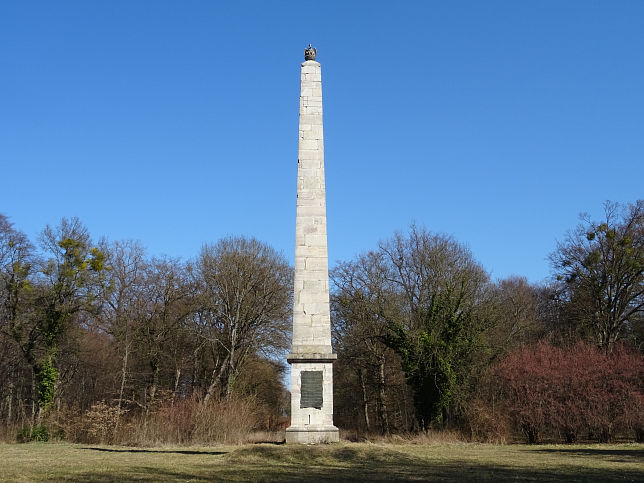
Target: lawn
point(343, 461)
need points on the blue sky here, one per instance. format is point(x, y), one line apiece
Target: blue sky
point(175, 123)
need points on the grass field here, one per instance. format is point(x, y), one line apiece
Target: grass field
point(344, 461)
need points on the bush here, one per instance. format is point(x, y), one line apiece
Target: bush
point(485, 425)
point(99, 422)
point(567, 391)
point(27, 434)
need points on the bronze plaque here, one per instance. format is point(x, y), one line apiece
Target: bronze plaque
point(311, 389)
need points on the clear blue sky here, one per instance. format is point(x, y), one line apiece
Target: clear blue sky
point(175, 123)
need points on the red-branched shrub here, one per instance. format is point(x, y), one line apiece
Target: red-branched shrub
point(570, 390)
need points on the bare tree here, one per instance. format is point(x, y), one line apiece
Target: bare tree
point(358, 332)
point(168, 301)
point(600, 268)
point(246, 290)
point(16, 266)
point(17, 332)
point(125, 304)
point(517, 316)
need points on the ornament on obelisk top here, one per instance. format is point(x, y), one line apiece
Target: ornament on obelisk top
point(311, 356)
point(310, 53)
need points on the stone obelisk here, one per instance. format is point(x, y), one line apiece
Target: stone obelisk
point(311, 356)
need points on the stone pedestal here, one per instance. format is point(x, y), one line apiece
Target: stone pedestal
point(311, 357)
point(311, 423)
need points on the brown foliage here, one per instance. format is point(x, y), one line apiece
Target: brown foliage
point(484, 424)
point(570, 390)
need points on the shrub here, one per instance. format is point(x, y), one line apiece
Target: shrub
point(484, 424)
point(39, 433)
point(638, 421)
point(99, 422)
point(27, 434)
point(570, 390)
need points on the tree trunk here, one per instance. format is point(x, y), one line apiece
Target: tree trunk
point(122, 388)
point(10, 401)
point(34, 397)
point(231, 361)
point(365, 401)
point(155, 382)
point(177, 377)
point(384, 418)
point(230, 380)
point(216, 379)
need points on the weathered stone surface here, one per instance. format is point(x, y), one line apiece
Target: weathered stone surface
point(311, 351)
point(308, 436)
point(310, 424)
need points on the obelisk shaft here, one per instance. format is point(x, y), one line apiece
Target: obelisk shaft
point(311, 314)
point(311, 357)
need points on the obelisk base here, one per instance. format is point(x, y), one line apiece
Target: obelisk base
point(312, 399)
point(300, 435)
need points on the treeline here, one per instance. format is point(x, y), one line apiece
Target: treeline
point(426, 340)
point(102, 342)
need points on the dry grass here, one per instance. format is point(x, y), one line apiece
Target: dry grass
point(344, 461)
point(229, 421)
point(429, 437)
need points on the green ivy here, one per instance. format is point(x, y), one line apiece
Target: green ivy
point(430, 355)
point(46, 375)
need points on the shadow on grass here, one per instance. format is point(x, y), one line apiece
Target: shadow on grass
point(440, 473)
point(274, 443)
point(425, 472)
point(622, 454)
point(173, 451)
point(270, 463)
